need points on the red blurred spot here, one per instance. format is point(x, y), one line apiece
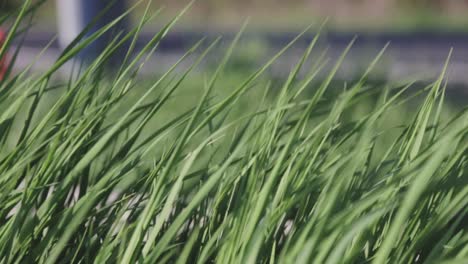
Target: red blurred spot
point(3, 64)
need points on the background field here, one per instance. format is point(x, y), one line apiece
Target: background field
point(344, 15)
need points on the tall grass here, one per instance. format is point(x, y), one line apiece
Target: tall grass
point(91, 170)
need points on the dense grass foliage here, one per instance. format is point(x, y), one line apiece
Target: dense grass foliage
point(97, 169)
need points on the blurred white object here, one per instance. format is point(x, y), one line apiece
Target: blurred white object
point(70, 20)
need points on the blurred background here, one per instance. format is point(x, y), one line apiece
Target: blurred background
point(392, 15)
point(420, 32)
point(362, 15)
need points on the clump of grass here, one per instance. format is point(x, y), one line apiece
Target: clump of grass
point(90, 171)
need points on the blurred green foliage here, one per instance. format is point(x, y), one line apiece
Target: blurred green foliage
point(7, 6)
point(396, 15)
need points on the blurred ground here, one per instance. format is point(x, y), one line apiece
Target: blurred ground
point(409, 56)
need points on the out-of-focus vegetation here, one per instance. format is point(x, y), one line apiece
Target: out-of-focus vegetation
point(342, 14)
point(394, 15)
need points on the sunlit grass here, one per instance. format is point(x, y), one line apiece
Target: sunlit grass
point(114, 170)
